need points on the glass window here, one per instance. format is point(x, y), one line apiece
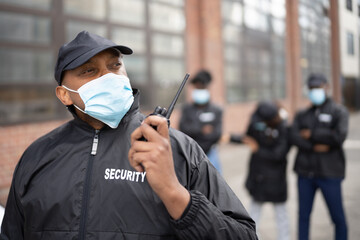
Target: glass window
point(153, 29)
point(172, 2)
point(278, 8)
point(233, 12)
point(128, 12)
point(29, 103)
point(74, 27)
point(36, 4)
point(85, 8)
point(254, 53)
point(255, 20)
point(350, 43)
point(278, 26)
point(136, 69)
point(133, 38)
point(25, 66)
point(168, 74)
point(167, 18)
point(24, 28)
point(167, 71)
point(167, 45)
point(232, 53)
point(315, 44)
point(349, 5)
point(231, 33)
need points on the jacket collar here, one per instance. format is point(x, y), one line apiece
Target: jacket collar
point(326, 102)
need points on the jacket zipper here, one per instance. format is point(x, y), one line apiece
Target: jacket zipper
point(86, 191)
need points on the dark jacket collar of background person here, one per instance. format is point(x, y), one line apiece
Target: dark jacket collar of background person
point(62, 190)
point(328, 124)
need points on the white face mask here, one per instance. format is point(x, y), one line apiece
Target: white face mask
point(317, 96)
point(201, 96)
point(107, 98)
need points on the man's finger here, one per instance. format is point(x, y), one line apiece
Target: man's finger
point(160, 123)
point(139, 161)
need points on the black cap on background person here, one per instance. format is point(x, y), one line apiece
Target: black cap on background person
point(203, 77)
point(267, 110)
point(316, 80)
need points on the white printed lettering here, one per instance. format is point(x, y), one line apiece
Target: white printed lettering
point(143, 176)
point(128, 177)
point(112, 173)
point(137, 176)
point(107, 173)
point(117, 173)
point(123, 174)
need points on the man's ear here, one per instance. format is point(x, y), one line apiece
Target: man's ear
point(63, 95)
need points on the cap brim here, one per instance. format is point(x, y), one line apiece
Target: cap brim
point(316, 84)
point(86, 56)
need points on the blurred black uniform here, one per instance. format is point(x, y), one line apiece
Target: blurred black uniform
point(328, 124)
point(193, 119)
point(266, 180)
point(319, 132)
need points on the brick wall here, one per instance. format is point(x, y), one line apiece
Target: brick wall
point(13, 141)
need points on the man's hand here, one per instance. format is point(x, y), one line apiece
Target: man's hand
point(252, 143)
point(305, 133)
point(155, 157)
point(321, 148)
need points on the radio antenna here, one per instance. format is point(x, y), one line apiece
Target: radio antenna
point(172, 104)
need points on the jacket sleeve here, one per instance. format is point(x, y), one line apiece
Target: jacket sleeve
point(13, 222)
point(277, 152)
point(215, 212)
point(336, 136)
point(296, 139)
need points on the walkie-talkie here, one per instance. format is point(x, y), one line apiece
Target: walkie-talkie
point(166, 113)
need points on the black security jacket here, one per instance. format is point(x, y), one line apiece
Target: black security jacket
point(328, 124)
point(266, 179)
point(77, 183)
point(194, 118)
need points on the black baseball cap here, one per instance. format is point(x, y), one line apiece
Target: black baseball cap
point(267, 110)
point(316, 80)
point(203, 77)
point(81, 49)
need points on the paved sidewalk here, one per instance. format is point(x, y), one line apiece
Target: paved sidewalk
point(234, 160)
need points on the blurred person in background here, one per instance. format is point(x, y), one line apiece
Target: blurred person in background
point(2, 210)
point(319, 133)
point(201, 119)
point(267, 137)
point(95, 178)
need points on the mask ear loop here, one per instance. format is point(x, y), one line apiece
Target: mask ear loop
point(71, 90)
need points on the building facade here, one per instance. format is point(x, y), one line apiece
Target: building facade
point(349, 20)
point(255, 50)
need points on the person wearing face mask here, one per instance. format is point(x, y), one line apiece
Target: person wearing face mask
point(201, 119)
point(95, 177)
point(319, 132)
point(267, 138)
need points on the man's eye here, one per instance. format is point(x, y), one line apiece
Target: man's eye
point(88, 70)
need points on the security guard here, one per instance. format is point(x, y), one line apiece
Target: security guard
point(319, 132)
